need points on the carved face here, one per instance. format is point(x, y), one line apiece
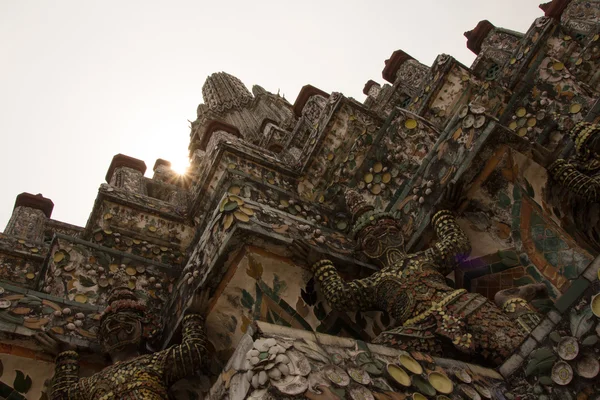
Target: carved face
point(120, 330)
point(383, 242)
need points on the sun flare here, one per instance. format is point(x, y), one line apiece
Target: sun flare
point(180, 167)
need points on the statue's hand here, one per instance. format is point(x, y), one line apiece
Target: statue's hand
point(52, 344)
point(452, 197)
point(305, 252)
point(199, 303)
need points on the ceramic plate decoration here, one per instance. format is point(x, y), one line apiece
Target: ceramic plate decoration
point(470, 392)
point(292, 385)
point(411, 364)
point(382, 384)
point(441, 382)
point(463, 375)
point(568, 348)
point(398, 375)
point(588, 366)
point(336, 375)
point(361, 393)
point(595, 303)
point(482, 390)
point(562, 373)
point(359, 376)
point(5, 303)
point(423, 386)
point(418, 396)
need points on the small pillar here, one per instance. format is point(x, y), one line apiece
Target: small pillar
point(127, 173)
point(476, 36)
point(372, 89)
point(162, 171)
point(555, 8)
point(306, 93)
point(404, 71)
point(29, 217)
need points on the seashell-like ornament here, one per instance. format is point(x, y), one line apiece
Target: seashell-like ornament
point(468, 121)
point(336, 375)
point(588, 366)
point(291, 385)
point(469, 392)
point(360, 393)
point(359, 376)
point(562, 373)
point(298, 365)
point(568, 348)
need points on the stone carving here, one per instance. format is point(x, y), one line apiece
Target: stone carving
point(412, 288)
point(131, 375)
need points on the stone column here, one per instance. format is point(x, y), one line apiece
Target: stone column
point(29, 217)
point(404, 72)
point(162, 171)
point(127, 173)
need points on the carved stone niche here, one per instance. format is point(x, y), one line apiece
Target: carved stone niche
point(404, 71)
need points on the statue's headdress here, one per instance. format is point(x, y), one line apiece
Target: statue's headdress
point(123, 299)
point(363, 214)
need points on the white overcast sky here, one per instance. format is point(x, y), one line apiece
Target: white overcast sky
point(82, 80)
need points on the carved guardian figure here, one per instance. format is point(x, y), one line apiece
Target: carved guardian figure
point(131, 376)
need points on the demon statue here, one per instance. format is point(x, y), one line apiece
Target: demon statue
point(132, 375)
point(412, 288)
point(574, 189)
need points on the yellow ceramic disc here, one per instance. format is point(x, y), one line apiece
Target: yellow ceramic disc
point(521, 111)
point(410, 124)
point(558, 66)
point(376, 189)
point(411, 364)
point(377, 167)
point(81, 298)
point(596, 304)
point(441, 382)
point(398, 375)
point(418, 396)
point(575, 108)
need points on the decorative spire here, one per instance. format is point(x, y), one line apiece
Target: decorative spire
point(222, 92)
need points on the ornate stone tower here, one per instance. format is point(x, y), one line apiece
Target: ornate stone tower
point(260, 224)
